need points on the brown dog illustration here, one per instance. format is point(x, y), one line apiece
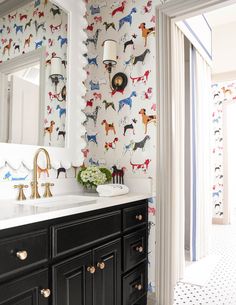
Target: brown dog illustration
point(146, 119)
point(145, 31)
point(28, 41)
point(108, 127)
point(49, 129)
point(7, 47)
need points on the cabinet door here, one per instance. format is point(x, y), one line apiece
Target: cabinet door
point(28, 290)
point(107, 279)
point(72, 281)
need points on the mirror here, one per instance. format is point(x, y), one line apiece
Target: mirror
point(33, 73)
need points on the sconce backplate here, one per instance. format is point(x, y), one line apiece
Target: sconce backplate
point(119, 81)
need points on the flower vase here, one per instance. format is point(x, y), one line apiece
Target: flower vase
point(91, 190)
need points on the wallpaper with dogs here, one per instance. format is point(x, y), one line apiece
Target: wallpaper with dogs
point(222, 92)
point(38, 24)
point(121, 125)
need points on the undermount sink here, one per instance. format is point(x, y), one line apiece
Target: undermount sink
point(57, 201)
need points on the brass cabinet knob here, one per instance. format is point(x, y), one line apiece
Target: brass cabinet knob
point(139, 217)
point(91, 269)
point(101, 265)
point(139, 249)
point(22, 255)
point(138, 287)
point(45, 293)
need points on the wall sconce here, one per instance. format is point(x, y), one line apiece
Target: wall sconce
point(119, 80)
point(56, 71)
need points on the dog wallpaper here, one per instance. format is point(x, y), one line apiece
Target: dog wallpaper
point(222, 92)
point(37, 24)
point(121, 125)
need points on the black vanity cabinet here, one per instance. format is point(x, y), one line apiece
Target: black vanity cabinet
point(27, 290)
point(93, 258)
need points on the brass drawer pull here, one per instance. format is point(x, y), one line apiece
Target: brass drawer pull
point(138, 287)
point(22, 255)
point(101, 265)
point(139, 217)
point(139, 249)
point(45, 293)
point(91, 269)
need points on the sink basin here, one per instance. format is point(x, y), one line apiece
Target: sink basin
point(57, 201)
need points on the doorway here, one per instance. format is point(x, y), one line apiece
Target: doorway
point(171, 209)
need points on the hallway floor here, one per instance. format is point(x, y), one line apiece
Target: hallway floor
point(221, 288)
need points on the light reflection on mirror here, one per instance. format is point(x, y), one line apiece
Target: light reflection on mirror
point(32, 107)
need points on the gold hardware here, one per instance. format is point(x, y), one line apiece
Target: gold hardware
point(22, 255)
point(139, 217)
point(34, 184)
point(139, 249)
point(138, 287)
point(91, 269)
point(45, 293)
point(21, 195)
point(101, 265)
point(47, 192)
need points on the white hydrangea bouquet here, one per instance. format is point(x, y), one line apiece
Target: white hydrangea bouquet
point(92, 176)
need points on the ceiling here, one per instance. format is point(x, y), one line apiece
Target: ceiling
point(7, 6)
point(221, 16)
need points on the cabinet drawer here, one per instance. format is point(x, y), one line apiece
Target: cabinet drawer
point(135, 285)
point(23, 251)
point(26, 290)
point(135, 248)
point(134, 216)
point(85, 232)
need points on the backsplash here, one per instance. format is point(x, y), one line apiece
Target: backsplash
point(35, 25)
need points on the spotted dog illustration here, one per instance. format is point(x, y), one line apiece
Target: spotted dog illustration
point(93, 115)
point(111, 145)
point(143, 165)
point(93, 39)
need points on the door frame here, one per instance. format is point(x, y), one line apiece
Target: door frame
point(166, 14)
point(14, 65)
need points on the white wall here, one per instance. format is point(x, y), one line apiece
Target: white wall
point(224, 46)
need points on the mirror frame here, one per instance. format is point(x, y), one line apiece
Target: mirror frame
point(76, 90)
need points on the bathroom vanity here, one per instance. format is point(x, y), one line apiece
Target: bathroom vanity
point(97, 255)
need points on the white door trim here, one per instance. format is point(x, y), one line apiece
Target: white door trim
point(167, 13)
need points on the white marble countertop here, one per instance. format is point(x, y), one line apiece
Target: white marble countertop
point(13, 213)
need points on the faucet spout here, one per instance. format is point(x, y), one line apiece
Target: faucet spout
point(34, 183)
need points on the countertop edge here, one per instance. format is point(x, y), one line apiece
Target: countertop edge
point(101, 202)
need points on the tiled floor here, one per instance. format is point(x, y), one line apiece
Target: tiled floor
point(221, 288)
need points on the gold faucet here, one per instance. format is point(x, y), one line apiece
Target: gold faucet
point(34, 183)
